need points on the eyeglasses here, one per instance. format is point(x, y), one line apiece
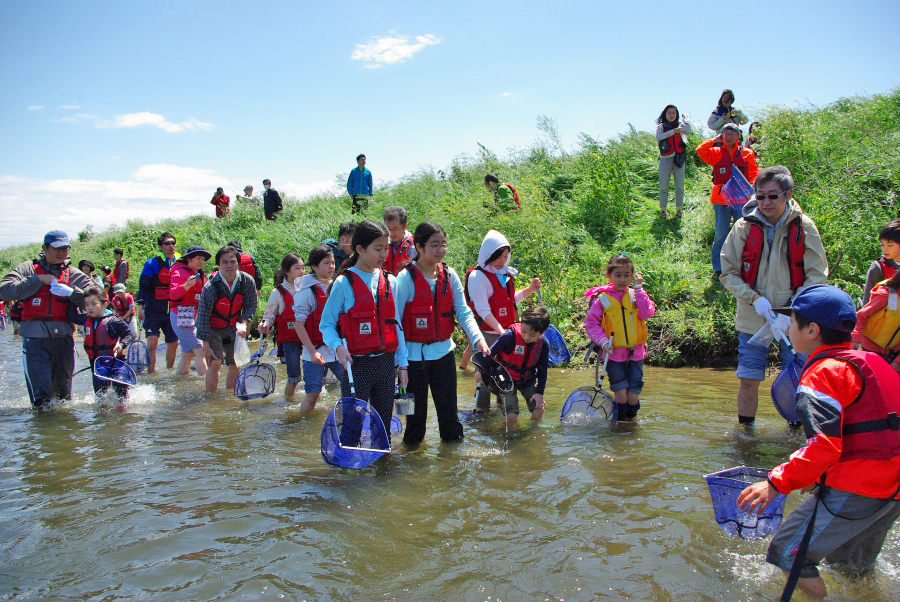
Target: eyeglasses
point(437, 246)
point(169, 243)
point(771, 197)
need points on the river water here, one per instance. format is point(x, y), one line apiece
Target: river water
point(189, 496)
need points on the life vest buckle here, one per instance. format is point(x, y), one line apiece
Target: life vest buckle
point(893, 421)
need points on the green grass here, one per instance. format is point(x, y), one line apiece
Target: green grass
point(580, 207)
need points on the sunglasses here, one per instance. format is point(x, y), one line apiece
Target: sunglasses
point(771, 197)
point(169, 243)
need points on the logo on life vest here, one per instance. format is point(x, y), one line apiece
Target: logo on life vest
point(87, 331)
point(365, 328)
point(422, 323)
point(746, 266)
point(722, 170)
point(36, 301)
point(197, 297)
point(502, 311)
point(290, 325)
point(520, 350)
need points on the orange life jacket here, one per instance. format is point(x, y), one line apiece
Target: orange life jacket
point(369, 326)
point(428, 318)
point(753, 248)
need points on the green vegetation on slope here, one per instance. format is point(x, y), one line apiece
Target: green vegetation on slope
point(580, 207)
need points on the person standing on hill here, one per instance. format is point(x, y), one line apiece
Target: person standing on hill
point(271, 201)
point(725, 113)
point(222, 203)
point(359, 185)
point(505, 195)
point(121, 268)
point(46, 287)
point(672, 152)
point(772, 253)
point(724, 153)
point(153, 300)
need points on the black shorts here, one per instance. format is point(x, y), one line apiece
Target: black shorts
point(153, 323)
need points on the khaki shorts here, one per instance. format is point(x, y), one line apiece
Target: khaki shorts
point(221, 343)
point(510, 400)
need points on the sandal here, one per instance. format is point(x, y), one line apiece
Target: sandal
point(662, 214)
point(678, 214)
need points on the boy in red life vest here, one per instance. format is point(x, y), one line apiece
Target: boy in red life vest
point(104, 335)
point(525, 354)
point(885, 266)
point(121, 268)
point(227, 303)
point(123, 304)
point(247, 264)
point(848, 402)
point(402, 250)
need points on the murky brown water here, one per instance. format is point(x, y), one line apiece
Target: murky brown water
point(191, 496)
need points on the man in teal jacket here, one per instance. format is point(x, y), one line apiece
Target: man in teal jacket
point(359, 185)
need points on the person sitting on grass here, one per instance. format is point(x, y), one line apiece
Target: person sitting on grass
point(848, 402)
point(524, 352)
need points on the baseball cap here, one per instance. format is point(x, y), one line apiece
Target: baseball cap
point(56, 239)
point(825, 305)
point(119, 288)
point(731, 126)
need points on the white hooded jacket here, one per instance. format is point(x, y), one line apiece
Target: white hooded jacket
point(480, 287)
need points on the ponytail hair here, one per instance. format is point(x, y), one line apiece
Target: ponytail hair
point(366, 232)
point(424, 231)
point(287, 262)
point(619, 260)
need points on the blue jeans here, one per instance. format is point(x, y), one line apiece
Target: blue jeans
point(626, 375)
point(292, 351)
point(315, 374)
point(753, 359)
point(724, 215)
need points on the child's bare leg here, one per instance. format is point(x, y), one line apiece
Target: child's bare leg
point(621, 396)
point(184, 366)
point(811, 586)
point(309, 402)
point(289, 389)
point(634, 398)
point(230, 377)
point(171, 355)
point(200, 362)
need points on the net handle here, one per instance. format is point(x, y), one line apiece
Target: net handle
point(599, 381)
point(349, 371)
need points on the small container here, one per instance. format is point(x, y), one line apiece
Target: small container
point(404, 404)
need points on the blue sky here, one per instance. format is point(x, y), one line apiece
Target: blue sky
point(113, 110)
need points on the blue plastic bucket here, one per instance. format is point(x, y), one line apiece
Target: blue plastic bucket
point(725, 486)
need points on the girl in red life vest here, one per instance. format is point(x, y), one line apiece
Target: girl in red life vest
point(109, 281)
point(617, 322)
point(309, 302)
point(186, 281)
point(360, 310)
point(491, 290)
point(104, 334)
point(279, 314)
point(430, 300)
point(672, 149)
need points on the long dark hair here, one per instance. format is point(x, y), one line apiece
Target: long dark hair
point(317, 255)
point(662, 116)
point(725, 92)
point(424, 231)
point(366, 232)
point(287, 262)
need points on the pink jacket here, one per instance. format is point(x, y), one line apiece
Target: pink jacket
point(645, 308)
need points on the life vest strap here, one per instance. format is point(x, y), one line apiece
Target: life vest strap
point(891, 423)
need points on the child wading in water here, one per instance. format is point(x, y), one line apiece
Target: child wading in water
point(361, 310)
point(280, 314)
point(429, 297)
point(525, 353)
point(104, 334)
point(617, 323)
point(309, 302)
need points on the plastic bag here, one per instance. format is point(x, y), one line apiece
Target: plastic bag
point(241, 351)
point(774, 328)
point(737, 190)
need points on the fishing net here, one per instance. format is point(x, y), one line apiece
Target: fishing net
point(737, 190)
point(784, 390)
point(353, 435)
point(138, 356)
point(725, 487)
point(254, 381)
point(493, 373)
point(396, 425)
point(587, 405)
point(2, 322)
point(115, 371)
point(559, 352)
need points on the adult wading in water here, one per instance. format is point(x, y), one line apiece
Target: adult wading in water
point(153, 300)
point(46, 286)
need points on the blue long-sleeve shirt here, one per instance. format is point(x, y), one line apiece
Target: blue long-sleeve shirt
point(341, 299)
point(406, 290)
point(145, 295)
point(359, 182)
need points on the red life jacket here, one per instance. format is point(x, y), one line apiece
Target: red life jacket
point(522, 362)
point(886, 270)
point(870, 426)
point(426, 319)
point(369, 326)
point(722, 169)
point(15, 311)
point(502, 299)
point(753, 248)
point(97, 341)
point(672, 145)
point(515, 193)
point(121, 305)
point(397, 260)
point(315, 318)
point(284, 322)
point(46, 306)
point(191, 297)
point(127, 268)
point(160, 282)
point(225, 312)
point(246, 265)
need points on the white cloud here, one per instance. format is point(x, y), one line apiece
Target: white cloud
point(35, 107)
point(69, 107)
point(154, 192)
point(132, 120)
point(390, 49)
point(505, 94)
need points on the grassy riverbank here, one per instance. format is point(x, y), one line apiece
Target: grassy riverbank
point(581, 206)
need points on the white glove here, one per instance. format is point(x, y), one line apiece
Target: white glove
point(61, 290)
point(763, 308)
point(780, 326)
point(241, 329)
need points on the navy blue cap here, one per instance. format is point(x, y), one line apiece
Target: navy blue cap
point(825, 305)
point(56, 239)
point(196, 250)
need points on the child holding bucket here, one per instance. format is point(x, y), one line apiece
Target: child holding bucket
point(848, 402)
point(430, 298)
point(104, 335)
point(279, 313)
point(361, 310)
point(616, 322)
point(309, 301)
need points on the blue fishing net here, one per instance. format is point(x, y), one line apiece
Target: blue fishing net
point(784, 390)
point(254, 381)
point(737, 190)
point(138, 356)
point(725, 487)
point(353, 435)
point(396, 425)
point(588, 405)
point(559, 352)
point(115, 371)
